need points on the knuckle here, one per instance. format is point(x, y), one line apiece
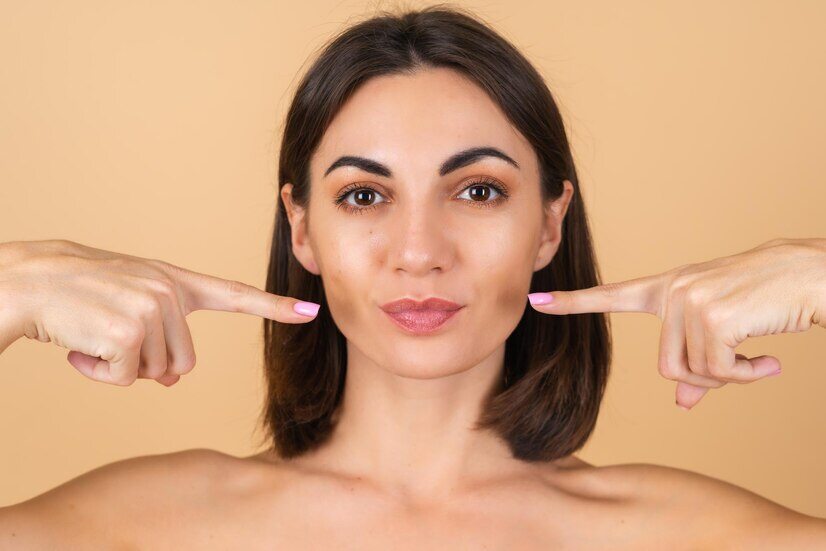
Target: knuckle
point(155, 370)
point(117, 262)
point(716, 370)
point(677, 289)
point(163, 288)
point(189, 365)
point(237, 289)
point(129, 335)
point(149, 306)
point(667, 369)
point(68, 244)
point(714, 317)
point(161, 362)
point(695, 295)
point(159, 265)
point(60, 245)
point(182, 366)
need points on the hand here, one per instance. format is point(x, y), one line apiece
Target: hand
point(121, 316)
point(709, 308)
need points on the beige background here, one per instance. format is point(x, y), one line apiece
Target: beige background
point(151, 128)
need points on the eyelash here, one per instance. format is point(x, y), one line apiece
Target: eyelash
point(342, 204)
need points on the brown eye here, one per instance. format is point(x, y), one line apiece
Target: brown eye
point(365, 195)
point(485, 192)
point(480, 193)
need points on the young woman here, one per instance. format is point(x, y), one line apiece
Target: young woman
point(415, 399)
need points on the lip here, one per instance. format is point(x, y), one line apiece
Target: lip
point(431, 303)
point(421, 317)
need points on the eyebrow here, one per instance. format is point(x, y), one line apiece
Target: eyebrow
point(454, 162)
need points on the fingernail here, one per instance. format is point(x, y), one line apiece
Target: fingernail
point(307, 308)
point(682, 406)
point(773, 373)
point(540, 298)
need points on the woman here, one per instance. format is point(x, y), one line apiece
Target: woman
point(427, 190)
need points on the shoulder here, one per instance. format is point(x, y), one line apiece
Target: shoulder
point(112, 502)
point(712, 512)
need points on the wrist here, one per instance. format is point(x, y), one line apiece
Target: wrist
point(12, 316)
point(819, 317)
point(11, 320)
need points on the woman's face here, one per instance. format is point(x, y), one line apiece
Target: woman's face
point(411, 232)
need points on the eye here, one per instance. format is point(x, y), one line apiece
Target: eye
point(364, 194)
point(482, 185)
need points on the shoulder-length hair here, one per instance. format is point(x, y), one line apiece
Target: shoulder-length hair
point(556, 367)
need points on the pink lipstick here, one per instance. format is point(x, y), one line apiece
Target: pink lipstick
point(423, 317)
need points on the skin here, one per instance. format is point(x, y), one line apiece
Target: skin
point(415, 243)
point(414, 476)
point(709, 308)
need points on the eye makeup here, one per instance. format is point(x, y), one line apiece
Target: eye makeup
point(341, 203)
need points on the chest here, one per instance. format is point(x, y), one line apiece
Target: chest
point(344, 522)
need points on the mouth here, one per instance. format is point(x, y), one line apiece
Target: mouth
point(421, 318)
point(421, 322)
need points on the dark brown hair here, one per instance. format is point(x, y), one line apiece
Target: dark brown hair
point(556, 367)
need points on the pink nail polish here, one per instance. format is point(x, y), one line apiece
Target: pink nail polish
point(540, 298)
point(307, 308)
point(773, 373)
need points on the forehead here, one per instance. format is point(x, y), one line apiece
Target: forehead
point(416, 121)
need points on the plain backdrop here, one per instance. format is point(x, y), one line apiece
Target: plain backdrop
point(152, 129)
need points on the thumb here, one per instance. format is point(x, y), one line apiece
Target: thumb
point(688, 395)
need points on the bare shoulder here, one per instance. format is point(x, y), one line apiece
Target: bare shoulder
point(716, 514)
point(111, 502)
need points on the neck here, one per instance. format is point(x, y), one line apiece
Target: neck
point(415, 437)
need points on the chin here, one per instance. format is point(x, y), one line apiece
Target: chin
point(424, 371)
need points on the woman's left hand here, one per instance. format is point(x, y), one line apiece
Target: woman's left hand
point(709, 308)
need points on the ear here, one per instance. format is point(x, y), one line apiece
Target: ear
point(554, 214)
point(300, 241)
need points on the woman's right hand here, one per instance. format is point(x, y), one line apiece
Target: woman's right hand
point(122, 317)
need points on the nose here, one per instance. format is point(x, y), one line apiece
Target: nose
point(422, 242)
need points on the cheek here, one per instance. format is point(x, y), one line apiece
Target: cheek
point(510, 294)
point(505, 270)
point(346, 277)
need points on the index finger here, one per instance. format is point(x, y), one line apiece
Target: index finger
point(634, 295)
point(206, 292)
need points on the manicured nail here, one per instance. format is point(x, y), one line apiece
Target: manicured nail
point(540, 298)
point(307, 308)
point(683, 407)
point(773, 373)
